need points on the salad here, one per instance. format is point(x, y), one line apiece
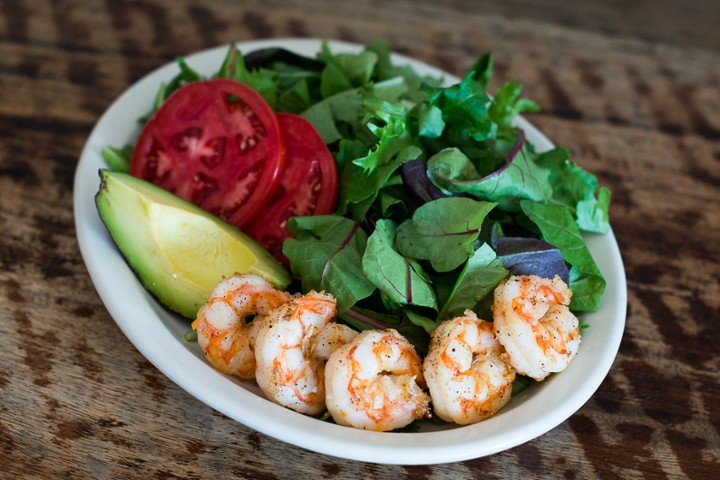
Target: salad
point(409, 200)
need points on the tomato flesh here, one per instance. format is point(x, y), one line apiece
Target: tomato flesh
point(308, 184)
point(216, 143)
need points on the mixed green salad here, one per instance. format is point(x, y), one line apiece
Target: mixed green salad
point(439, 194)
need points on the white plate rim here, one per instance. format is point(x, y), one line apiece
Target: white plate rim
point(158, 337)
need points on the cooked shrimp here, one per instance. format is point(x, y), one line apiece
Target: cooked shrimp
point(534, 324)
point(466, 376)
point(224, 331)
point(374, 382)
point(292, 346)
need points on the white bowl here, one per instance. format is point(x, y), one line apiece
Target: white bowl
point(159, 335)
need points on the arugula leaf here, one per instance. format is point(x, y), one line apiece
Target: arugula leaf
point(326, 254)
point(443, 231)
point(558, 228)
point(398, 277)
point(478, 278)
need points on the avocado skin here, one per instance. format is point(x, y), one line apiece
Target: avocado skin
point(123, 202)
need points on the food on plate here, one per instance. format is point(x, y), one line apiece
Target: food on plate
point(466, 374)
point(415, 207)
point(308, 185)
point(532, 321)
point(292, 345)
point(228, 323)
point(375, 382)
point(178, 251)
point(215, 143)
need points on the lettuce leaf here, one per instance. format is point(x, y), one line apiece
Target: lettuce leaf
point(326, 254)
point(559, 229)
point(400, 278)
point(443, 231)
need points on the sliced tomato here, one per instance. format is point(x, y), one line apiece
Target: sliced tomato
point(216, 143)
point(308, 184)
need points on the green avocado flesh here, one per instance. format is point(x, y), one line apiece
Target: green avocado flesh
point(177, 250)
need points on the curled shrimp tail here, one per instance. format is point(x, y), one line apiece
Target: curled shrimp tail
point(467, 377)
point(227, 323)
point(292, 345)
point(534, 323)
point(375, 382)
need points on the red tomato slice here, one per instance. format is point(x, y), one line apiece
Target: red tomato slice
point(216, 143)
point(308, 184)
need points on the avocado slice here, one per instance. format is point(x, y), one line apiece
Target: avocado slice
point(178, 251)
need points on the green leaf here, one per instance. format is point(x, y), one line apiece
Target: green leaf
point(347, 107)
point(521, 178)
point(481, 274)
point(430, 120)
point(507, 104)
point(295, 99)
point(482, 70)
point(464, 109)
point(117, 159)
point(393, 135)
point(326, 254)
point(359, 188)
point(187, 74)
point(593, 213)
point(385, 69)
point(576, 188)
point(559, 229)
point(344, 71)
point(443, 231)
point(400, 278)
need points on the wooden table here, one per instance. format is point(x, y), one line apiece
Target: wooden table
point(633, 90)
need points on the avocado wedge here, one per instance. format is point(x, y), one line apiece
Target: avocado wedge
point(178, 251)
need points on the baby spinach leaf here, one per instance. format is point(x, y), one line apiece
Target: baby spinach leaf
point(443, 231)
point(558, 228)
point(478, 278)
point(326, 254)
point(400, 278)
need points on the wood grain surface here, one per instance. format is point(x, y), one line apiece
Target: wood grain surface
point(632, 88)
